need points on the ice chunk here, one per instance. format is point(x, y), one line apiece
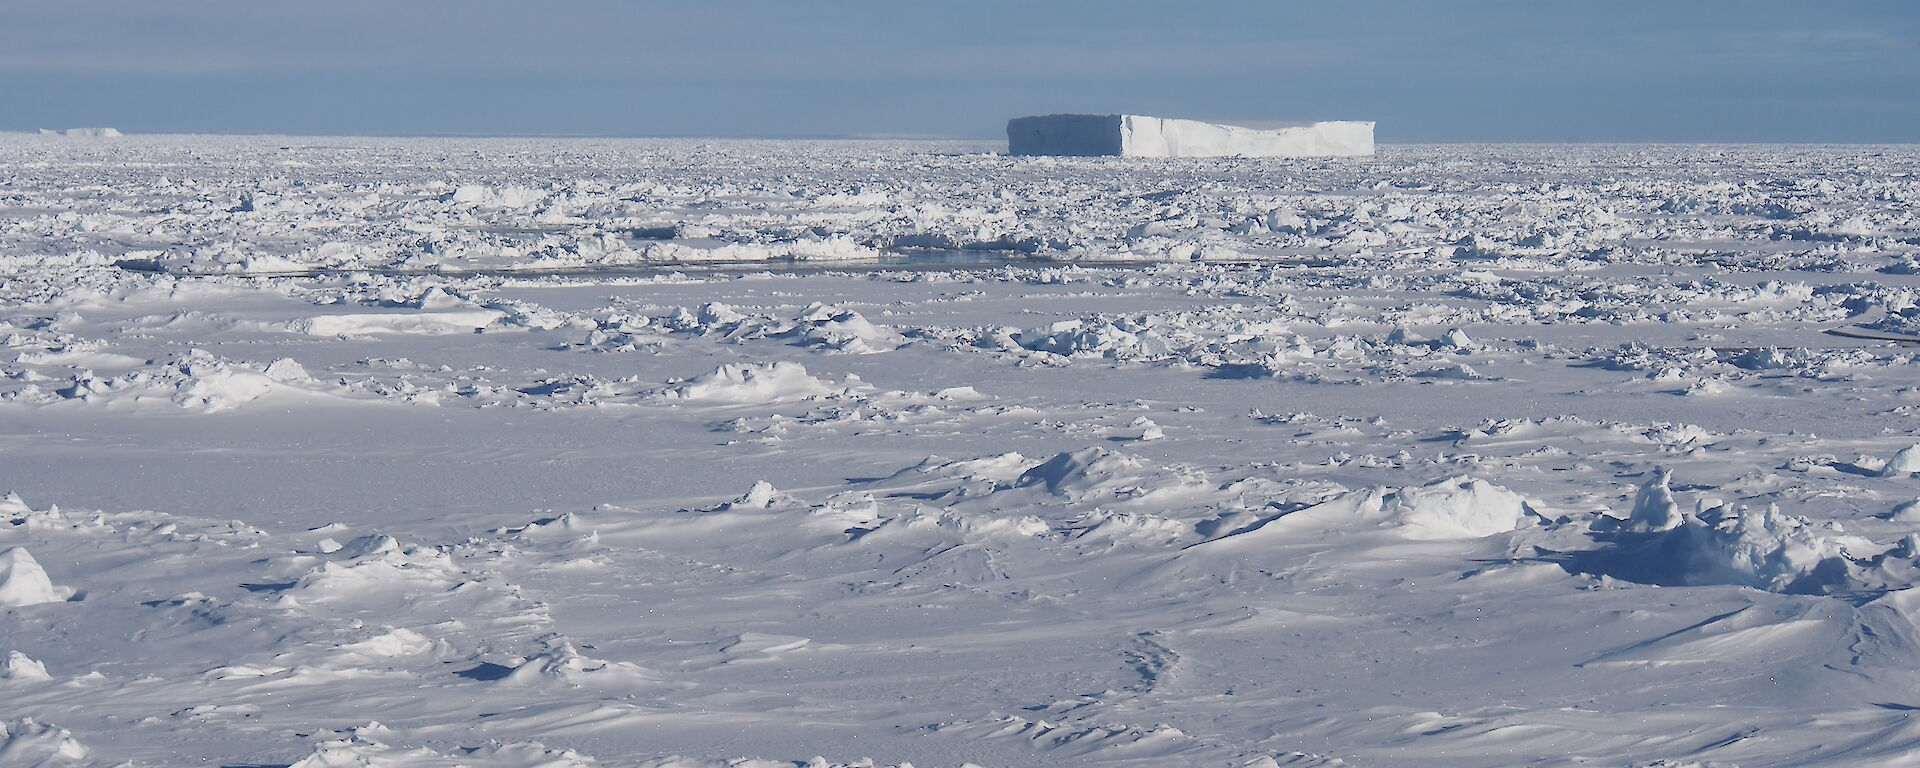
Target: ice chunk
point(1458, 339)
point(23, 582)
point(1093, 338)
point(23, 668)
point(1148, 430)
point(1764, 548)
point(27, 742)
point(761, 496)
point(1905, 462)
point(1141, 136)
point(1760, 548)
point(1653, 507)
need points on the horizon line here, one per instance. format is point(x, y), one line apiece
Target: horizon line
point(856, 137)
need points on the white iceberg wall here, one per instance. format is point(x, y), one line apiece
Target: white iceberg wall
point(1161, 137)
point(1142, 136)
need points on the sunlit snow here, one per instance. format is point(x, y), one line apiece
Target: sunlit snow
point(411, 452)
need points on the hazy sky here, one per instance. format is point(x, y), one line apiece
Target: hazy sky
point(1533, 70)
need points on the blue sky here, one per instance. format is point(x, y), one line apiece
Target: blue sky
point(1466, 70)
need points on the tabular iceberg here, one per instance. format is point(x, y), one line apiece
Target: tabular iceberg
point(1141, 136)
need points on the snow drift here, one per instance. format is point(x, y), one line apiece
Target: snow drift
point(751, 383)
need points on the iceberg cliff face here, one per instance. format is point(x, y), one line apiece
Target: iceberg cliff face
point(1141, 136)
point(1079, 135)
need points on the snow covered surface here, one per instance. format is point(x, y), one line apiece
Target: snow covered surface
point(1142, 136)
point(678, 454)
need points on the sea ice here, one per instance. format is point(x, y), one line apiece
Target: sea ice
point(644, 453)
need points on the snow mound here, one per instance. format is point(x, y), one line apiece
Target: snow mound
point(196, 380)
point(364, 750)
point(742, 383)
point(1456, 508)
point(998, 468)
point(760, 646)
point(1760, 548)
point(563, 663)
point(27, 743)
point(398, 642)
point(818, 326)
point(23, 668)
point(1081, 471)
point(761, 495)
point(712, 318)
point(423, 322)
point(437, 298)
point(23, 582)
point(1757, 634)
point(1146, 430)
point(1107, 740)
point(678, 761)
point(1094, 338)
point(371, 566)
point(362, 547)
point(1099, 473)
point(843, 330)
point(1461, 507)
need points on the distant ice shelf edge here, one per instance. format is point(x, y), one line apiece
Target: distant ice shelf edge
point(91, 133)
point(1142, 136)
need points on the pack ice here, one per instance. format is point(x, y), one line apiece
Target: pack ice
point(1142, 136)
point(737, 454)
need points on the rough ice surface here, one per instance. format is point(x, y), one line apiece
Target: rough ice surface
point(703, 454)
point(1142, 136)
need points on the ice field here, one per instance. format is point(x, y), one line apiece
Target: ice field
point(689, 454)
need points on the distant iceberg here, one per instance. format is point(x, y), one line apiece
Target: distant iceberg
point(1141, 136)
point(97, 133)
